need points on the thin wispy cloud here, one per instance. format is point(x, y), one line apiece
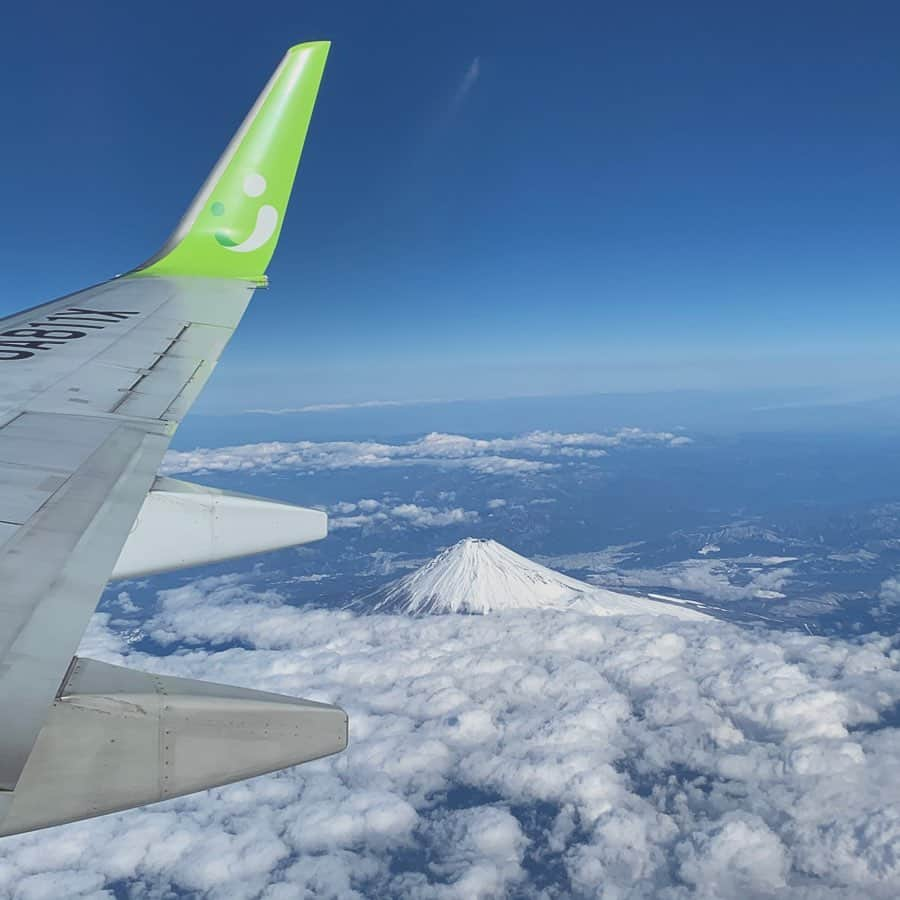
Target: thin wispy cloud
point(463, 89)
point(469, 80)
point(336, 407)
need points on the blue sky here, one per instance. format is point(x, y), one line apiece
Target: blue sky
point(495, 199)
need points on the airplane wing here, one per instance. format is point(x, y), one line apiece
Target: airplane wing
point(93, 387)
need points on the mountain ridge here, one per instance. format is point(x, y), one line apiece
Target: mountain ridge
point(481, 576)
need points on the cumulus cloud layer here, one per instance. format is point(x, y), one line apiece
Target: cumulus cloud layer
point(535, 753)
point(498, 456)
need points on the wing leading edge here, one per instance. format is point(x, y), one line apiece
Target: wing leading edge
point(93, 388)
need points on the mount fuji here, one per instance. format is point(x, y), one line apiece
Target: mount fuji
point(482, 576)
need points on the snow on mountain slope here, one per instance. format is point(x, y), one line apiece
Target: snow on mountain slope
point(482, 576)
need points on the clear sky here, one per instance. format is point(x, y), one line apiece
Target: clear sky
point(495, 198)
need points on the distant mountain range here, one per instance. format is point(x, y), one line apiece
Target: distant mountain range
point(483, 576)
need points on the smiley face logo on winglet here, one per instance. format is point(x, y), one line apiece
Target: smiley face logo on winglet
point(266, 218)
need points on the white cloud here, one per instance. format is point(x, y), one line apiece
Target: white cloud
point(368, 513)
point(594, 560)
point(306, 579)
point(638, 757)
point(496, 503)
point(124, 602)
point(357, 521)
point(741, 858)
point(724, 579)
point(523, 455)
point(429, 517)
point(888, 596)
point(479, 850)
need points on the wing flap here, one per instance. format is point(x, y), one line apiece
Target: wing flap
point(54, 567)
point(77, 464)
point(24, 492)
point(117, 738)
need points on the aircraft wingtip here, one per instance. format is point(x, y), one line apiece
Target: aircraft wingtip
point(308, 45)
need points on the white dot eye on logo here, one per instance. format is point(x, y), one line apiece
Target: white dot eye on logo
point(254, 184)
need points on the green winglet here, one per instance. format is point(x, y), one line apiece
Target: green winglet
point(231, 228)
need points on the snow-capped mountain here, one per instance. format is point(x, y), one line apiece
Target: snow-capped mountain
point(482, 576)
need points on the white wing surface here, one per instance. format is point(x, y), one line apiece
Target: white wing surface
point(92, 388)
